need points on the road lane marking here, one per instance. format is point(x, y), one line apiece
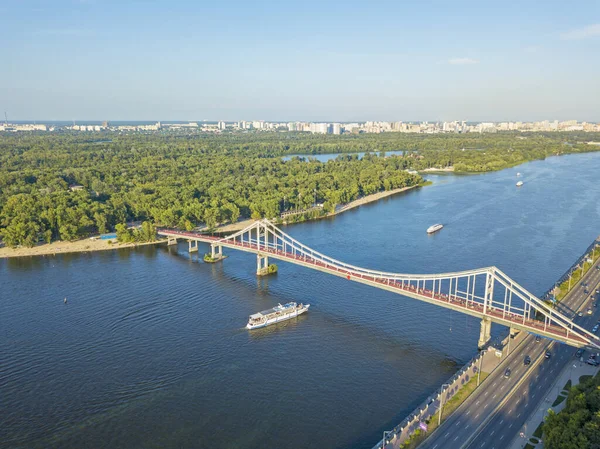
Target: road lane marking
point(477, 416)
point(456, 438)
point(492, 432)
point(435, 446)
point(501, 422)
point(501, 436)
point(494, 397)
point(510, 425)
point(446, 434)
point(467, 426)
point(477, 403)
point(468, 412)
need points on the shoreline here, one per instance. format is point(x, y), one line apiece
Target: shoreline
point(88, 245)
point(77, 246)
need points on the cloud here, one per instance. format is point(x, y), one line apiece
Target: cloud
point(462, 61)
point(582, 33)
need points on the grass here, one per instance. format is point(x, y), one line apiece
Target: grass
point(585, 377)
point(577, 275)
point(449, 407)
point(558, 400)
point(529, 446)
point(538, 432)
point(567, 385)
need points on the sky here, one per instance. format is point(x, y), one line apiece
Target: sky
point(309, 60)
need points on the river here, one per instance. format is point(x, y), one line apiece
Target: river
point(150, 351)
point(329, 156)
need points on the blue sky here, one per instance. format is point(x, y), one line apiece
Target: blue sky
point(308, 60)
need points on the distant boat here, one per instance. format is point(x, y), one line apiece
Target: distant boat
point(518, 174)
point(434, 228)
point(519, 184)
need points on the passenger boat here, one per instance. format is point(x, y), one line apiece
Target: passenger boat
point(519, 184)
point(276, 314)
point(434, 228)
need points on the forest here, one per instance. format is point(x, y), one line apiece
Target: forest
point(69, 186)
point(577, 426)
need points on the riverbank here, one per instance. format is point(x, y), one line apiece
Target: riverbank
point(77, 246)
point(87, 245)
point(238, 226)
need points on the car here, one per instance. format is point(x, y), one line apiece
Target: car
point(586, 291)
point(579, 353)
point(595, 328)
point(507, 373)
point(580, 314)
point(589, 311)
point(547, 355)
point(537, 338)
point(584, 284)
point(527, 360)
point(598, 290)
point(592, 362)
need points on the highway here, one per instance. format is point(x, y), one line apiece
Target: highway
point(493, 415)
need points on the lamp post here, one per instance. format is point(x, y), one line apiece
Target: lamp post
point(441, 402)
point(479, 370)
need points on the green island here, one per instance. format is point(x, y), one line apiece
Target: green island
point(67, 187)
point(577, 426)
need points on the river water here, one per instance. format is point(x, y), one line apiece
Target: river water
point(150, 350)
point(329, 156)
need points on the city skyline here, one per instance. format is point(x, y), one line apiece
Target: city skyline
point(327, 61)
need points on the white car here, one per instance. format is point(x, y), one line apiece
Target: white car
point(589, 311)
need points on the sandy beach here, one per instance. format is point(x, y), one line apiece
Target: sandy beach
point(78, 246)
point(86, 245)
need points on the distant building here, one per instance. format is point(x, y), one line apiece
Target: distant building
point(222, 125)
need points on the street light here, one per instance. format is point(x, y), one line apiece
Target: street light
point(441, 402)
point(481, 354)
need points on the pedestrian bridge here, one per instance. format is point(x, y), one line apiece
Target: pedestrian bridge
point(486, 293)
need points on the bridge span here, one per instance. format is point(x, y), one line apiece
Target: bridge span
point(486, 293)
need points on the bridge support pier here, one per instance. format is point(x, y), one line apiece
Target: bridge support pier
point(216, 252)
point(485, 332)
point(193, 246)
point(262, 265)
point(171, 240)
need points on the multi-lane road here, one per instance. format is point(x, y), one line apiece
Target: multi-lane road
point(494, 414)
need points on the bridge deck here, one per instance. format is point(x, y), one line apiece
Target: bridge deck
point(449, 301)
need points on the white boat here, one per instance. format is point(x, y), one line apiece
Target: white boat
point(434, 228)
point(519, 184)
point(518, 174)
point(276, 314)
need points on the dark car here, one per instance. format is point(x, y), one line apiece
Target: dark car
point(507, 373)
point(547, 355)
point(537, 338)
point(579, 353)
point(527, 360)
point(592, 362)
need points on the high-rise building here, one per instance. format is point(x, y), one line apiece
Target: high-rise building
point(336, 128)
point(222, 125)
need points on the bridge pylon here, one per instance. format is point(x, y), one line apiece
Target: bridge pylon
point(262, 265)
point(485, 333)
point(216, 252)
point(193, 246)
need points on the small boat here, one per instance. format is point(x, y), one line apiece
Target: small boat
point(276, 314)
point(434, 228)
point(518, 174)
point(519, 184)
